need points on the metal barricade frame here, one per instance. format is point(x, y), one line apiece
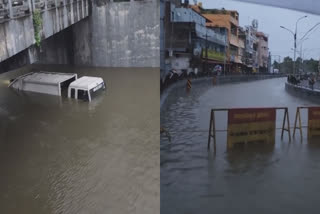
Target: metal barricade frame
point(298, 120)
point(212, 127)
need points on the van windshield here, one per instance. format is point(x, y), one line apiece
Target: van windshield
point(94, 92)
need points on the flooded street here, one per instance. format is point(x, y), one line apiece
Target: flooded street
point(279, 179)
point(60, 155)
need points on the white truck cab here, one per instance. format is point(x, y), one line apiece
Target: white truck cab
point(85, 88)
point(60, 84)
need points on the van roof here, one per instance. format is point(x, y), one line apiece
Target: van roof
point(86, 82)
point(49, 78)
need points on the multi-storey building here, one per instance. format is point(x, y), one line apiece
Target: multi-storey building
point(189, 46)
point(228, 20)
point(242, 49)
point(251, 49)
point(263, 51)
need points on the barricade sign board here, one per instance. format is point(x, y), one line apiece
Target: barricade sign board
point(246, 125)
point(313, 122)
point(251, 125)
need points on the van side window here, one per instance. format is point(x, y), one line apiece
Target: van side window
point(83, 95)
point(72, 93)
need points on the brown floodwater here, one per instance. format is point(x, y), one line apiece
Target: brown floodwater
point(59, 155)
point(283, 178)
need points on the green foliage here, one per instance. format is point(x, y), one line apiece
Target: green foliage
point(37, 23)
point(287, 65)
point(311, 65)
point(276, 65)
point(305, 66)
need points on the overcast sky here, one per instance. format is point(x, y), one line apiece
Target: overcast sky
point(270, 19)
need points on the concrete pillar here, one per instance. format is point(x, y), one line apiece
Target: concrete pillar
point(82, 5)
point(33, 5)
point(45, 4)
point(87, 8)
point(57, 18)
point(10, 9)
point(65, 14)
point(71, 11)
point(78, 11)
point(30, 6)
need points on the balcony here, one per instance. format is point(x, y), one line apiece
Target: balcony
point(234, 40)
point(186, 15)
point(235, 58)
point(234, 21)
point(210, 35)
point(241, 43)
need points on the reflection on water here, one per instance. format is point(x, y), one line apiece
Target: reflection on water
point(59, 155)
point(283, 178)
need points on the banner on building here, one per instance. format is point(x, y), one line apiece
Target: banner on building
point(313, 122)
point(213, 55)
point(251, 125)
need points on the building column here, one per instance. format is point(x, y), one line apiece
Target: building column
point(10, 9)
point(30, 6)
point(71, 11)
point(78, 11)
point(82, 5)
point(65, 14)
point(57, 17)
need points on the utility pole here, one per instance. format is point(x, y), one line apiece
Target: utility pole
point(295, 41)
point(225, 53)
point(206, 64)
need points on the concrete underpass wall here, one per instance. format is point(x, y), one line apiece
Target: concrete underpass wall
point(17, 34)
point(57, 49)
point(119, 34)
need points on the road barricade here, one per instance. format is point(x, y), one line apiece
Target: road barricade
point(246, 125)
point(313, 123)
point(189, 85)
point(214, 80)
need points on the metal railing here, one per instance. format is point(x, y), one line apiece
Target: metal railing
point(11, 9)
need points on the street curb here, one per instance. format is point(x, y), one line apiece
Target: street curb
point(300, 90)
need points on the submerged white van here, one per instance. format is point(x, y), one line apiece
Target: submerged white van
point(60, 84)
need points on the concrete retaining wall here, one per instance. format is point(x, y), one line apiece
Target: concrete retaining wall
point(119, 34)
point(17, 34)
point(56, 49)
point(302, 91)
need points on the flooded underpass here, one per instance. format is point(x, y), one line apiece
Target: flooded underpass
point(59, 155)
point(260, 179)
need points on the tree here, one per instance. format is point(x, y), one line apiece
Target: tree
point(287, 65)
point(311, 65)
point(276, 65)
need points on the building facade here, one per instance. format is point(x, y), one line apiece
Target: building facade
point(189, 46)
point(263, 51)
point(228, 20)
